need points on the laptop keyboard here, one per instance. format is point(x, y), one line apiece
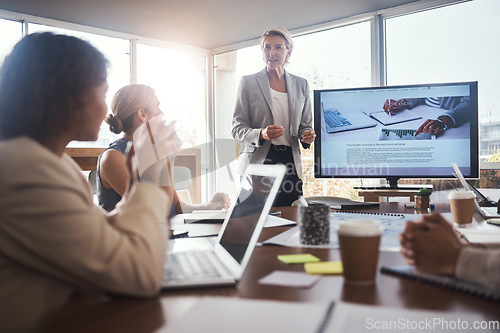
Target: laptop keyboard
point(490, 211)
point(196, 265)
point(336, 119)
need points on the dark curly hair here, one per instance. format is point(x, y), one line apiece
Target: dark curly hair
point(45, 83)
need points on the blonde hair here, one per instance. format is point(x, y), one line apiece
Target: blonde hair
point(126, 102)
point(282, 32)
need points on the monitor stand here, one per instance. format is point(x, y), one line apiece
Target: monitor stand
point(392, 184)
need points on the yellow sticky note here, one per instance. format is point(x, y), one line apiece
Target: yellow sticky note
point(297, 258)
point(324, 267)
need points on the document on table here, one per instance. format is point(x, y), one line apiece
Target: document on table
point(392, 224)
point(276, 221)
point(481, 236)
point(229, 315)
point(218, 217)
point(205, 216)
point(364, 318)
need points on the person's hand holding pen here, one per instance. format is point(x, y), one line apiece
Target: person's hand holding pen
point(391, 106)
point(271, 132)
point(308, 137)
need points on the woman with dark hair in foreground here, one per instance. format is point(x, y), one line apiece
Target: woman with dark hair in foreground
point(54, 242)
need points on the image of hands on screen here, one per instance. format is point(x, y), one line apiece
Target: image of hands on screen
point(457, 112)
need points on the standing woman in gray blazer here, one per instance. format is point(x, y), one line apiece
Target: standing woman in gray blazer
point(273, 113)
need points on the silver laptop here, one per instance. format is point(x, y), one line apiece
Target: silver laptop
point(335, 121)
point(486, 212)
point(487, 207)
point(224, 263)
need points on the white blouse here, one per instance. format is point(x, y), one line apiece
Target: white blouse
point(281, 117)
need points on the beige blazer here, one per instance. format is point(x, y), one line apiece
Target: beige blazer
point(253, 112)
point(54, 241)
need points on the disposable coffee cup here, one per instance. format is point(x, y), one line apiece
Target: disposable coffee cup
point(314, 224)
point(359, 242)
point(462, 206)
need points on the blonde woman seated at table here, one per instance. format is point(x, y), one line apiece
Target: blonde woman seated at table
point(54, 241)
point(432, 246)
point(133, 105)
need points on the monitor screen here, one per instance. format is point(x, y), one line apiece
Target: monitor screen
point(383, 132)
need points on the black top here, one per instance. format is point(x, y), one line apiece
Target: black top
point(108, 198)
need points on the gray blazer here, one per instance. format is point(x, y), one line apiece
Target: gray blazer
point(253, 112)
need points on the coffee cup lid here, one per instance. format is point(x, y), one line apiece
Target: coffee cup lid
point(361, 227)
point(461, 194)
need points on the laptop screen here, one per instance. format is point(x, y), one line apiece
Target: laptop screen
point(245, 215)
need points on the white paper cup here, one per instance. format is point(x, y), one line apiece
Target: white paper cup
point(359, 242)
point(462, 206)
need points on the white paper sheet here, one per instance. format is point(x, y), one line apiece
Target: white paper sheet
point(229, 315)
point(354, 318)
point(276, 221)
point(481, 236)
point(271, 221)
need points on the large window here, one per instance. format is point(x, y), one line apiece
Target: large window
point(12, 32)
point(335, 58)
point(324, 59)
point(179, 81)
point(452, 43)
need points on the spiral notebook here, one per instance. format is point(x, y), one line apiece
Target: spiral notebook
point(392, 224)
point(442, 281)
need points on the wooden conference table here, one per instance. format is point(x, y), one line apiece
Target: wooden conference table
point(151, 315)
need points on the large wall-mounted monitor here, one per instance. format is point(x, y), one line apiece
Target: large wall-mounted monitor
point(357, 138)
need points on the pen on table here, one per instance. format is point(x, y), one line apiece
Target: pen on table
point(412, 205)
